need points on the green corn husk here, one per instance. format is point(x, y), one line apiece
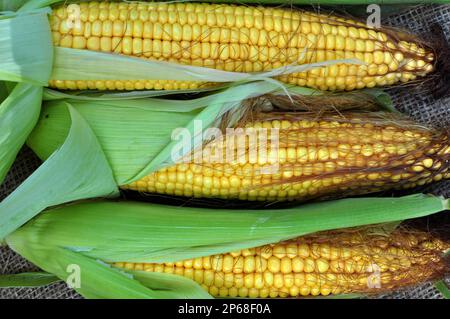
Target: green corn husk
point(73, 64)
point(19, 113)
point(83, 155)
point(92, 233)
point(26, 49)
point(26, 55)
point(27, 279)
point(442, 287)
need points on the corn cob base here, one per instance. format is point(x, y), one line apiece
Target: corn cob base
point(240, 39)
point(326, 263)
point(334, 156)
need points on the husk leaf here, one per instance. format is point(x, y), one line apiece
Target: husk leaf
point(442, 287)
point(75, 64)
point(26, 56)
point(27, 279)
point(19, 113)
point(8, 5)
point(77, 170)
point(26, 49)
point(144, 232)
point(51, 95)
point(97, 280)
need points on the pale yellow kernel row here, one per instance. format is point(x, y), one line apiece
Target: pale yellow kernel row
point(111, 85)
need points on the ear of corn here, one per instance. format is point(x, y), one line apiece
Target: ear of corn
point(339, 262)
point(238, 39)
point(305, 156)
point(330, 156)
point(92, 233)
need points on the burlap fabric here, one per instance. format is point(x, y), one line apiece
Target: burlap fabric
point(421, 107)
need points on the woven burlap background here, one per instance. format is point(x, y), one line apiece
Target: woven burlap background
point(420, 106)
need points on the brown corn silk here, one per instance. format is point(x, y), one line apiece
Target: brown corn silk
point(304, 156)
point(333, 262)
point(240, 39)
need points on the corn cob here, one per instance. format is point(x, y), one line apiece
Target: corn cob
point(333, 156)
point(241, 39)
point(325, 263)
